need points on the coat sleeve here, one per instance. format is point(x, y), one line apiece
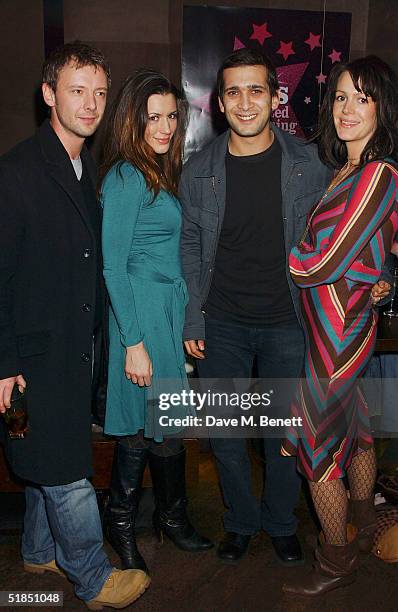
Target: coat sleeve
point(194, 328)
point(122, 198)
point(370, 202)
point(12, 232)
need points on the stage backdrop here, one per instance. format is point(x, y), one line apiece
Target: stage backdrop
point(303, 45)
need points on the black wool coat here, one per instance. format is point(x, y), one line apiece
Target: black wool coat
point(49, 258)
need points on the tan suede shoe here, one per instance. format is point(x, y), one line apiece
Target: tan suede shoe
point(51, 566)
point(121, 589)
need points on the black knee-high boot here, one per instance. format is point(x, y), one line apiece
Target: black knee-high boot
point(170, 517)
point(126, 481)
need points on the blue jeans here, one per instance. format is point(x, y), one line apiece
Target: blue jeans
point(62, 523)
point(230, 352)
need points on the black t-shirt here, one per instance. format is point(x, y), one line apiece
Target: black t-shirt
point(249, 284)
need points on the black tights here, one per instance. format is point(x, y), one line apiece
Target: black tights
point(168, 448)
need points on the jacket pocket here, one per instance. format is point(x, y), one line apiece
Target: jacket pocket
point(35, 343)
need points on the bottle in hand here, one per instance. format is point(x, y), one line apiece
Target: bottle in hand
point(16, 417)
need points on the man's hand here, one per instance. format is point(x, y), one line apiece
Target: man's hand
point(394, 249)
point(138, 366)
point(195, 348)
point(6, 387)
point(380, 291)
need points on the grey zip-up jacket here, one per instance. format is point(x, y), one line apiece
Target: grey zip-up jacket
point(202, 194)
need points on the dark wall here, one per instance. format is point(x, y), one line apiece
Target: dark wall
point(134, 33)
point(21, 57)
point(131, 34)
point(382, 36)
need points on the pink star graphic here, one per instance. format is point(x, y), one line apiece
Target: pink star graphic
point(307, 100)
point(203, 102)
point(238, 44)
point(289, 77)
point(321, 78)
point(335, 56)
point(313, 41)
point(260, 33)
point(286, 49)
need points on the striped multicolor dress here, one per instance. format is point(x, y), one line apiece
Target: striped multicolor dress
point(351, 230)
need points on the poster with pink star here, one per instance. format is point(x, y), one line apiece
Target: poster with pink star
point(303, 46)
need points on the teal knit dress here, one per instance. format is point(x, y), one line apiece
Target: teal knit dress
point(142, 270)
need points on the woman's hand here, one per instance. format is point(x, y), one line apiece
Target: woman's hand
point(394, 249)
point(380, 291)
point(138, 366)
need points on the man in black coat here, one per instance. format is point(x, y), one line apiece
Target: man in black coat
point(50, 304)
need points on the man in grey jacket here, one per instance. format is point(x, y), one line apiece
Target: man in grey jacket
point(245, 198)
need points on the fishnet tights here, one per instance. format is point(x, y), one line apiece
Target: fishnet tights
point(330, 501)
point(330, 498)
point(362, 474)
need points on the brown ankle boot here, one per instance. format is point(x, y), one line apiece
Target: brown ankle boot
point(334, 567)
point(120, 590)
point(363, 515)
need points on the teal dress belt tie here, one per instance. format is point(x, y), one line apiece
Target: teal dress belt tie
point(179, 301)
point(180, 294)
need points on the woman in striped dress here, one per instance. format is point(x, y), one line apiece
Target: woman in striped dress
point(336, 263)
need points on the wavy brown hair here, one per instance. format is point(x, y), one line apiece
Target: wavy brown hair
point(125, 132)
point(375, 79)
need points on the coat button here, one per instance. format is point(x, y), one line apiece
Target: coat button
point(85, 357)
point(86, 253)
point(86, 307)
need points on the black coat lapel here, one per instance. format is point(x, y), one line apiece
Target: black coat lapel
point(61, 170)
point(90, 165)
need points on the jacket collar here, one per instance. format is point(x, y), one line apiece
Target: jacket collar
point(61, 169)
point(293, 149)
point(54, 151)
point(213, 155)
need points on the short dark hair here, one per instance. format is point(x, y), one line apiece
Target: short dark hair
point(75, 52)
point(248, 57)
point(376, 80)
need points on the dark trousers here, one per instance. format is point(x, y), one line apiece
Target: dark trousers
point(230, 353)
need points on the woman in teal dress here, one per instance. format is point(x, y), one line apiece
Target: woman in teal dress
point(142, 270)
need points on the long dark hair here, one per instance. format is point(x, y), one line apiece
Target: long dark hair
point(125, 131)
point(376, 80)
